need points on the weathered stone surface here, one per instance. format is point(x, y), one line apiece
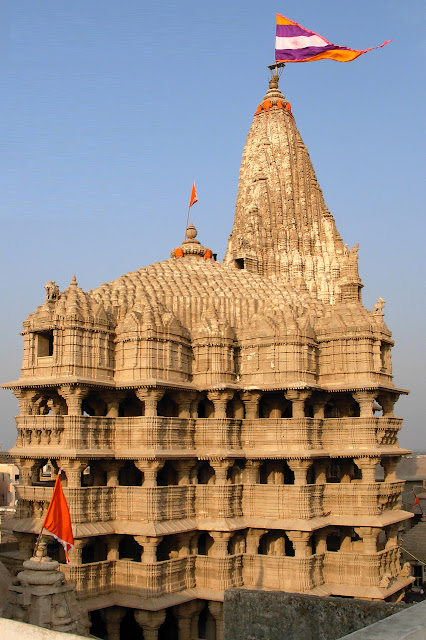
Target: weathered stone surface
point(254, 615)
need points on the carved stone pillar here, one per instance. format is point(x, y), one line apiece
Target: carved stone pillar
point(184, 613)
point(365, 400)
point(112, 543)
point(183, 468)
point(24, 397)
point(149, 469)
point(300, 540)
point(73, 470)
point(221, 467)
point(113, 399)
point(319, 406)
point(220, 545)
point(368, 468)
point(320, 468)
point(73, 396)
point(150, 622)
point(76, 554)
point(298, 398)
point(184, 400)
point(112, 468)
point(216, 609)
point(321, 541)
point(149, 544)
point(392, 535)
point(300, 469)
point(28, 471)
point(253, 538)
point(151, 398)
point(387, 401)
point(252, 474)
point(251, 403)
point(113, 617)
point(389, 465)
point(369, 537)
point(220, 399)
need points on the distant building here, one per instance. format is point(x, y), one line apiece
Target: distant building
point(219, 425)
point(9, 476)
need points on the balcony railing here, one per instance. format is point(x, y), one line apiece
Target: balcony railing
point(357, 569)
point(160, 433)
point(362, 499)
point(283, 501)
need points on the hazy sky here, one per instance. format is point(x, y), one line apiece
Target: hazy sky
point(110, 110)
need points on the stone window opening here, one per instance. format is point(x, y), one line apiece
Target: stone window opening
point(129, 549)
point(129, 475)
point(167, 476)
point(169, 630)
point(334, 472)
point(309, 409)
point(235, 408)
point(275, 543)
point(238, 543)
point(98, 626)
point(44, 343)
point(239, 263)
point(131, 407)
point(275, 472)
point(204, 544)
point(275, 405)
point(356, 472)
point(56, 551)
point(94, 475)
point(206, 625)
point(331, 411)
point(235, 473)
point(93, 406)
point(205, 409)
point(44, 477)
point(167, 408)
point(129, 628)
point(206, 474)
point(168, 548)
point(94, 551)
point(333, 541)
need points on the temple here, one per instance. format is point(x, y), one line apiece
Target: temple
point(218, 425)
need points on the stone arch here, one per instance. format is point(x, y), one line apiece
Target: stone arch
point(206, 474)
point(129, 475)
point(206, 624)
point(275, 405)
point(235, 473)
point(275, 472)
point(275, 543)
point(235, 408)
point(130, 406)
point(167, 407)
point(167, 476)
point(205, 408)
point(129, 549)
point(238, 543)
point(204, 543)
point(94, 551)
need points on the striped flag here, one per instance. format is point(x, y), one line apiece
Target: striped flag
point(297, 44)
point(57, 521)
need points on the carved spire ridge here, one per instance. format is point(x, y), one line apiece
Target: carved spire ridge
point(282, 226)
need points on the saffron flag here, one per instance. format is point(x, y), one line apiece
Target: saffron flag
point(57, 521)
point(416, 501)
point(297, 44)
point(193, 198)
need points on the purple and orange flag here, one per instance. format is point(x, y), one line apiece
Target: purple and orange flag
point(296, 44)
point(57, 521)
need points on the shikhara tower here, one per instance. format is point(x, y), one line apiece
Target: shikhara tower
point(219, 424)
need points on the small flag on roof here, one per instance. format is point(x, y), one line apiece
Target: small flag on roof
point(297, 44)
point(194, 197)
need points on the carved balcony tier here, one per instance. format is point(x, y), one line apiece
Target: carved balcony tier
point(336, 571)
point(156, 504)
point(177, 434)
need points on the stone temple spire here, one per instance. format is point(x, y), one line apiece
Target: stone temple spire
point(282, 226)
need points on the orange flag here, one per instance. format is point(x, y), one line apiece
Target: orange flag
point(194, 198)
point(57, 521)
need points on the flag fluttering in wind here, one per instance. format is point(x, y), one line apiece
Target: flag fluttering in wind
point(57, 521)
point(416, 501)
point(193, 198)
point(297, 44)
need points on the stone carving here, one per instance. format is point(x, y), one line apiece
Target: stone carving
point(52, 291)
point(378, 307)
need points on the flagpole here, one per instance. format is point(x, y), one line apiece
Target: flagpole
point(187, 221)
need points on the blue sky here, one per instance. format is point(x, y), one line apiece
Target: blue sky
point(111, 109)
